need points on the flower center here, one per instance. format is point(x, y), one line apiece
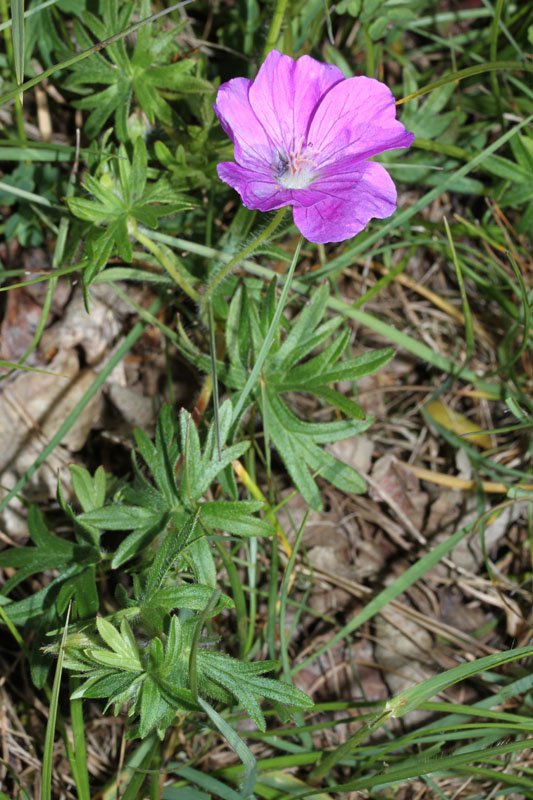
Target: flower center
point(295, 170)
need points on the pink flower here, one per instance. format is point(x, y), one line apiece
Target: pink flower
point(303, 134)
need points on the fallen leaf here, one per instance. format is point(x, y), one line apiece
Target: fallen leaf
point(458, 424)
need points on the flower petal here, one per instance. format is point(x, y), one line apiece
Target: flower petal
point(345, 203)
point(257, 189)
point(285, 94)
point(232, 107)
point(356, 119)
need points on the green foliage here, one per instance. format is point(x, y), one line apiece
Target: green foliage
point(293, 366)
point(154, 680)
point(146, 76)
point(179, 574)
point(171, 501)
point(143, 560)
point(122, 196)
point(23, 224)
point(75, 560)
point(46, 30)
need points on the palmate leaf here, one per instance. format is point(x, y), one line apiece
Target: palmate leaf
point(168, 503)
point(296, 441)
point(76, 562)
point(294, 365)
point(245, 682)
point(170, 549)
point(119, 199)
point(155, 610)
point(155, 681)
point(201, 468)
point(308, 359)
point(146, 75)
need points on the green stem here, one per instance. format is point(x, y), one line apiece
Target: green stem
point(227, 268)
point(269, 338)
point(275, 27)
point(393, 335)
point(237, 592)
point(214, 376)
point(195, 644)
point(80, 747)
point(166, 261)
point(252, 602)
point(273, 597)
point(326, 764)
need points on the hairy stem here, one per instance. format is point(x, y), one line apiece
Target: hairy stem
point(244, 254)
point(269, 338)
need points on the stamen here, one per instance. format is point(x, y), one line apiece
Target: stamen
point(295, 170)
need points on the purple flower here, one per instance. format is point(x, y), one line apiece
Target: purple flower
point(303, 134)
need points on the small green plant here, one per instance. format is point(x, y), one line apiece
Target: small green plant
point(144, 79)
point(122, 198)
point(306, 357)
point(177, 591)
point(157, 660)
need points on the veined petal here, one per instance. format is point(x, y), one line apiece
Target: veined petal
point(285, 94)
point(232, 107)
point(344, 204)
point(257, 189)
point(356, 119)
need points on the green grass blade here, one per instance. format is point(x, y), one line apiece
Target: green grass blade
point(426, 767)
point(14, 633)
point(214, 375)
point(210, 784)
point(419, 767)
point(365, 244)
point(13, 365)
point(17, 37)
point(469, 325)
point(237, 593)
point(526, 307)
point(31, 197)
point(237, 745)
point(79, 744)
point(398, 587)
point(48, 754)
point(496, 21)
point(29, 13)
point(411, 698)
point(469, 72)
point(138, 766)
point(391, 334)
point(56, 262)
